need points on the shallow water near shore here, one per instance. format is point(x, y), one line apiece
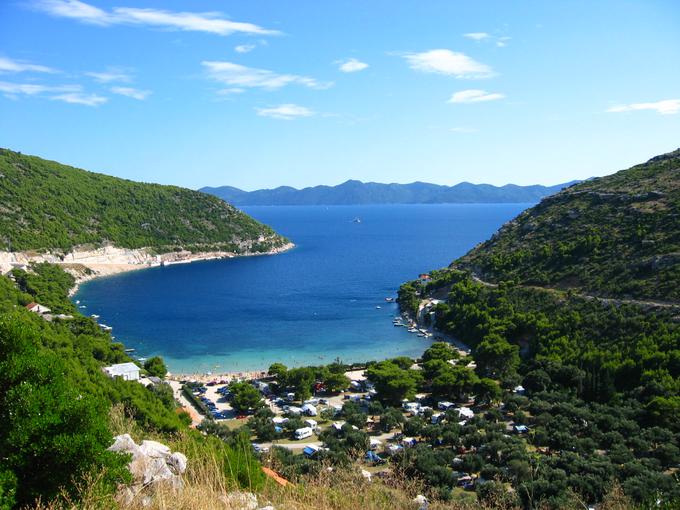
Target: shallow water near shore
point(310, 305)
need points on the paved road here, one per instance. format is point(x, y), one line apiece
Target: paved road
point(196, 417)
point(645, 303)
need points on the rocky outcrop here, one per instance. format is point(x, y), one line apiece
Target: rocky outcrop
point(152, 463)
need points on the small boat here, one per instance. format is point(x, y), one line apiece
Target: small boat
point(421, 335)
point(389, 299)
point(356, 220)
point(94, 316)
point(77, 301)
point(378, 307)
point(129, 350)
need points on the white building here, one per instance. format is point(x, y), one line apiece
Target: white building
point(37, 308)
point(128, 371)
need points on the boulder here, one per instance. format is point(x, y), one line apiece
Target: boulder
point(152, 463)
point(422, 502)
point(154, 449)
point(177, 463)
point(240, 501)
point(125, 444)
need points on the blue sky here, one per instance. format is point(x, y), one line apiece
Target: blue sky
point(265, 93)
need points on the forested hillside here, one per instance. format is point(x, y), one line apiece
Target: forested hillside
point(54, 397)
point(616, 236)
point(48, 206)
point(600, 377)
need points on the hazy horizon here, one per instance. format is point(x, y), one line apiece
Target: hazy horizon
point(259, 95)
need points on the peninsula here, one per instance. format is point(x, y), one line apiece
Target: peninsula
point(93, 224)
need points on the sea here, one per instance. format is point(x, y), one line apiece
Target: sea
point(321, 301)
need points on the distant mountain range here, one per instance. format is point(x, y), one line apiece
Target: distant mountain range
point(355, 192)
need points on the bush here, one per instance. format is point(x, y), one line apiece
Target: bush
point(155, 366)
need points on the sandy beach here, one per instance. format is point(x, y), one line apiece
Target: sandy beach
point(224, 376)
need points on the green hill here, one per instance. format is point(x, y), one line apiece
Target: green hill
point(48, 206)
point(558, 301)
point(615, 236)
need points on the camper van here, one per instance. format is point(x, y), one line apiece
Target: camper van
point(303, 433)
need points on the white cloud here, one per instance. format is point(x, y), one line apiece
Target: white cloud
point(352, 65)
point(74, 9)
point(502, 42)
point(665, 107)
point(245, 48)
point(67, 93)
point(236, 75)
point(7, 65)
point(80, 98)
point(476, 36)
point(110, 75)
point(285, 112)
point(140, 95)
point(450, 63)
point(474, 96)
point(31, 89)
point(231, 91)
point(210, 22)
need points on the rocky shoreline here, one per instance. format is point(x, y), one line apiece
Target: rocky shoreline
point(86, 265)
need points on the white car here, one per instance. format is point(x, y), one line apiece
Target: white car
point(259, 448)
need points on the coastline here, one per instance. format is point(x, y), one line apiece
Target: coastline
point(101, 270)
point(86, 265)
point(223, 376)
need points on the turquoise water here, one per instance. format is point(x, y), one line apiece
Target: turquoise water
point(311, 305)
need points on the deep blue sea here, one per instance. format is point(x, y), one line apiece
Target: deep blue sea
point(307, 306)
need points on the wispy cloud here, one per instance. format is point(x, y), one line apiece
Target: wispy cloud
point(502, 42)
point(8, 65)
point(450, 63)
point(477, 36)
point(474, 96)
point(66, 93)
point(32, 89)
point(285, 112)
point(236, 75)
point(137, 94)
point(665, 107)
point(210, 22)
point(352, 65)
point(81, 98)
point(230, 91)
point(110, 75)
point(245, 48)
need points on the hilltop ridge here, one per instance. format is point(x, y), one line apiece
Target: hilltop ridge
point(615, 236)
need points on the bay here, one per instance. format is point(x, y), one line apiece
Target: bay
point(311, 305)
